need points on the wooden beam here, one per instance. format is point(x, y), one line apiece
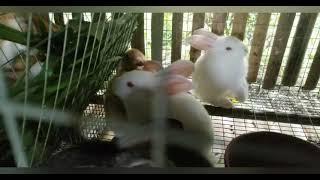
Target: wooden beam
point(314, 73)
point(298, 48)
point(219, 23)
point(278, 49)
point(138, 36)
point(58, 18)
point(239, 25)
point(156, 36)
point(197, 22)
point(177, 25)
point(259, 37)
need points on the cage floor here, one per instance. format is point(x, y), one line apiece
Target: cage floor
point(282, 100)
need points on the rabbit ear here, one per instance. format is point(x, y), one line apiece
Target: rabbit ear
point(200, 42)
point(177, 83)
point(181, 67)
point(152, 66)
point(204, 32)
point(175, 77)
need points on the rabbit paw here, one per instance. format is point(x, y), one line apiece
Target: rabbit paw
point(242, 93)
point(223, 102)
point(226, 103)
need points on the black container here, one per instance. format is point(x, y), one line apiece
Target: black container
point(270, 149)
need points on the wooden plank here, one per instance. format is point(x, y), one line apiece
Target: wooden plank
point(259, 37)
point(239, 25)
point(314, 73)
point(197, 22)
point(138, 36)
point(58, 18)
point(95, 17)
point(278, 49)
point(219, 23)
point(77, 15)
point(177, 25)
point(156, 36)
point(299, 47)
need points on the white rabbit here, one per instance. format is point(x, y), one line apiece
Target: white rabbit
point(222, 70)
point(136, 89)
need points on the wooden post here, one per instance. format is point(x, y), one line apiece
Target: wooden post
point(219, 23)
point(314, 73)
point(259, 37)
point(177, 25)
point(58, 18)
point(138, 36)
point(278, 49)
point(156, 36)
point(298, 49)
point(77, 15)
point(197, 22)
point(239, 25)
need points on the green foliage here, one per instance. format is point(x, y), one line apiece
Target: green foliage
point(88, 61)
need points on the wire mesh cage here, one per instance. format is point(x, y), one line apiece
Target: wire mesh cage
point(62, 62)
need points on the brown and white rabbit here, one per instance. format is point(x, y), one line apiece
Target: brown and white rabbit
point(10, 50)
point(222, 70)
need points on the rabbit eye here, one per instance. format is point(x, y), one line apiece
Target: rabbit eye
point(130, 84)
point(228, 48)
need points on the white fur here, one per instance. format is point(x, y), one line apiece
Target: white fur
point(181, 106)
point(218, 72)
point(35, 69)
point(194, 117)
point(137, 99)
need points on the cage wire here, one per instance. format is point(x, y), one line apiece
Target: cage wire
point(284, 102)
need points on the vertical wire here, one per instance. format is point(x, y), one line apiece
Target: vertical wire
point(27, 72)
point(103, 27)
point(74, 62)
point(83, 57)
point(94, 42)
point(47, 61)
point(44, 93)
